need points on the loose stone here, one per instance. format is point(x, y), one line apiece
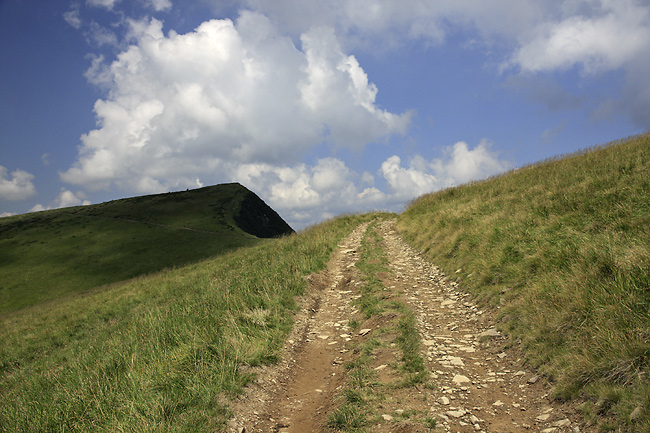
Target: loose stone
point(459, 378)
point(492, 332)
point(561, 423)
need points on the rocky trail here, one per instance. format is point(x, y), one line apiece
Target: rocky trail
point(475, 383)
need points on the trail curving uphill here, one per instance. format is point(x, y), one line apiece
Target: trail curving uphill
point(344, 369)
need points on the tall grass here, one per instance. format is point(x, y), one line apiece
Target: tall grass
point(160, 353)
point(563, 249)
point(364, 394)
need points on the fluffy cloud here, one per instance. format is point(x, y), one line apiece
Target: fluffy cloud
point(98, 35)
point(157, 5)
point(18, 186)
point(304, 194)
point(613, 33)
point(529, 37)
point(407, 183)
point(65, 198)
point(459, 165)
point(391, 23)
point(598, 36)
point(463, 164)
point(548, 35)
point(178, 106)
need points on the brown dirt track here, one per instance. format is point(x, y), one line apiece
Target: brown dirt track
point(479, 383)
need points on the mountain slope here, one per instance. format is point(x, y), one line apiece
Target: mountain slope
point(47, 254)
point(562, 248)
point(162, 352)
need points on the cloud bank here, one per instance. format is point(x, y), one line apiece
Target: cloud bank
point(65, 198)
point(181, 106)
point(304, 194)
point(526, 37)
point(17, 186)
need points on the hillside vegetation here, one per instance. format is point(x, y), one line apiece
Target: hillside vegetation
point(562, 248)
point(159, 353)
point(48, 254)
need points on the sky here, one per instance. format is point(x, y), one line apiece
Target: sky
point(320, 107)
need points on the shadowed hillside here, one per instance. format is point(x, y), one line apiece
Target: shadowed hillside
point(47, 254)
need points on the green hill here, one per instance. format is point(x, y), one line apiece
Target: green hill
point(47, 254)
point(165, 352)
point(562, 249)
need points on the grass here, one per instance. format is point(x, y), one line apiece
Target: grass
point(49, 254)
point(408, 341)
point(162, 352)
point(562, 248)
point(364, 395)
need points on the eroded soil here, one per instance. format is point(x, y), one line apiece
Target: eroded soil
point(475, 382)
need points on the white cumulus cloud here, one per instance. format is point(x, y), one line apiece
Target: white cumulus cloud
point(614, 33)
point(17, 186)
point(304, 194)
point(391, 23)
point(527, 36)
point(180, 105)
point(459, 165)
point(463, 164)
point(406, 183)
point(65, 198)
point(596, 36)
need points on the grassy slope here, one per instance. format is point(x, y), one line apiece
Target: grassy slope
point(48, 254)
point(563, 249)
point(159, 353)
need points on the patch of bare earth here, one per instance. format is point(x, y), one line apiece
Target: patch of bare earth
point(477, 385)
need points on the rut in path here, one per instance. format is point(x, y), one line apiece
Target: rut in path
point(474, 383)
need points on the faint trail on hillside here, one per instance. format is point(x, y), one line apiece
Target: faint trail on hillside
point(477, 384)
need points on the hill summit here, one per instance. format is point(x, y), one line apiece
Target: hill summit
point(44, 255)
point(229, 205)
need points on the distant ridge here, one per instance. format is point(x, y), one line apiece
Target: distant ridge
point(44, 255)
point(259, 219)
point(229, 204)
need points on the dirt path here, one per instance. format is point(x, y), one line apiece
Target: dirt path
point(475, 383)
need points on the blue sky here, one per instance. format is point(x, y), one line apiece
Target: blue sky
point(320, 107)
